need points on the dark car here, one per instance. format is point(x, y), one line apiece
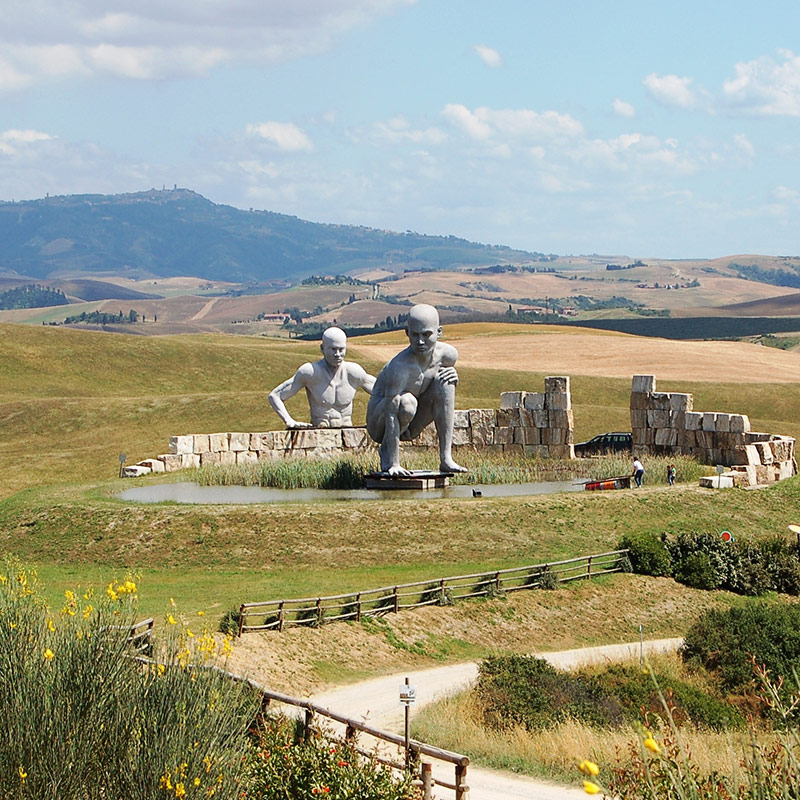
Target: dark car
point(604, 443)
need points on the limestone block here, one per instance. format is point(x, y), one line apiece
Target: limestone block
point(537, 451)
point(750, 455)
point(717, 482)
point(560, 451)
point(638, 418)
point(660, 401)
point(154, 464)
point(172, 462)
point(694, 420)
point(201, 443)
point(483, 416)
point(504, 418)
point(649, 437)
point(493, 449)
point(503, 435)
point(657, 418)
point(227, 457)
point(739, 423)
point(514, 449)
point(526, 418)
point(135, 471)
point(677, 420)
point(781, 449)
point(178, 445)
point(562, 419)
point(246, 457)
point(666, 437)
point(787, 469)
point(531, 435)
point(461, 436)
point(238, 441)
point(723, 422)
point(218, 442)
point(512, 399)
point(329, 438)
point(281, 440)
point(637, 436)
point(558, 401)
point(752, 474)
point(763, 474)
point(534, 401)
point(270, 455)
point(556, 384)
point(681, 402)
point(541, 419)
point(354, 438)
point(709, 420)
point(427, 437)
point(480, 435)
point(686, 438)
point(257, 441)
point(209, 459)
point(190, 461)
point(461, 418)
point(643, 383)
point(552, 436)
point(764, 452)
point(753, 437)
point(305, 438)
point(741, 479)
point(640, 401)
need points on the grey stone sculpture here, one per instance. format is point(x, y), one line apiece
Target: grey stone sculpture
point(415, 388)
point(330, 383)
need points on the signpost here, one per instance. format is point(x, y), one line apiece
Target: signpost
point(122, 459)
point(408, 695)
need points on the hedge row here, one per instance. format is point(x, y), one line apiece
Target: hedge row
point(706, 561)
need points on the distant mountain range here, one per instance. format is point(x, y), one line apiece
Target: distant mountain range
point(179, 232)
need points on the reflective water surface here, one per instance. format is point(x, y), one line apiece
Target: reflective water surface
point(194, 493)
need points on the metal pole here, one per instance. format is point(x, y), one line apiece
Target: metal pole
point(408, 755)
point(427, 780)
point(641, 645)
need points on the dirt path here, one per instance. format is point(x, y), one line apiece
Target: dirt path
point(376, 701)
point(205, 309)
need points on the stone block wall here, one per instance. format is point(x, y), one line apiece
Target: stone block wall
point(536, 424)
point(665, 423)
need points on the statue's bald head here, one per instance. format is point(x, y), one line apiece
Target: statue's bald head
point(425, 314)
point(423, 328)
point(334, 345)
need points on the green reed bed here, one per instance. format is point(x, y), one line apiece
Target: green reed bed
point(349, 471)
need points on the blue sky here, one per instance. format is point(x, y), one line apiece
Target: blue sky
point(639, 128)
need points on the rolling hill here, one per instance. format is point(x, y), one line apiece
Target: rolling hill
point(179, 232)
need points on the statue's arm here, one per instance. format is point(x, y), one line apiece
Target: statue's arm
point(289, 388)
point(360, 377)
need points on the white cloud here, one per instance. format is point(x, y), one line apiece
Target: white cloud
point(11, 140)
point(672, 90)
point(765, 88)
point(520, 124)
point(744, 145)
point(398, 130)
point(284, 135)
point(787, 194)
point(488, 55)
point(623, 109)
point(43, 39)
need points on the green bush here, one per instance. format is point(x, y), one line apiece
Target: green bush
point(649, 554)
point(282, 765)
point(697, 571)
point(726, 642)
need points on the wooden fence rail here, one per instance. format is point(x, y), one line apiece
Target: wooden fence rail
point(315, 611)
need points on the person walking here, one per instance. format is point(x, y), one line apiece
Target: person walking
point(638, 471)
point(671, 471)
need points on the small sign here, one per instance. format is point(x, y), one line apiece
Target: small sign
point(720, 469)
point(726, 536)
point(408, 694)
point(795, 528)
point(122, 458)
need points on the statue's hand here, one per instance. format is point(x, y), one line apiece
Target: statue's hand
point(447, 375)
point(294, 425)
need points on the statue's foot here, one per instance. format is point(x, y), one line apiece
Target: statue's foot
point(396, 471)
point(451, 466)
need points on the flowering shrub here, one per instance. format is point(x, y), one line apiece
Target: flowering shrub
point(83, 719)
point(281, 765)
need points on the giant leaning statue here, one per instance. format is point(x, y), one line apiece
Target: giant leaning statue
point(415, 388)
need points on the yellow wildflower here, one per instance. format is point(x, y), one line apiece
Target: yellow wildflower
point(110, 591)
point(161, 669)
point(207, 762)
point(48, 654)
point(179, 790)
point(88, 594)
point(50, 626)
point(87, 610)
point(12, 625)
point(22, 773)
point(201, 613)
point(69, 596)
point(652, 745)
point(130, 587)
point(171, 620)
point(3, 579)
point(589, 768)
point(591, 788)
point(197, 781)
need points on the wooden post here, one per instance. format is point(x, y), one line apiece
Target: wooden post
point(241, 619)
point(497, 584)
point(589, 567)
point(307, 724)
point(358, 607)
point(349, 733)
point(461, 782)
point(281, 615)
point(396, 601)
point(427, 780)
point(319, 612)
point(408, 753)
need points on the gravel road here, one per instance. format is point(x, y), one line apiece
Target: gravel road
point(377, 702)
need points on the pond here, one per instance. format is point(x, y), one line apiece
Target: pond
point(194, 493)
